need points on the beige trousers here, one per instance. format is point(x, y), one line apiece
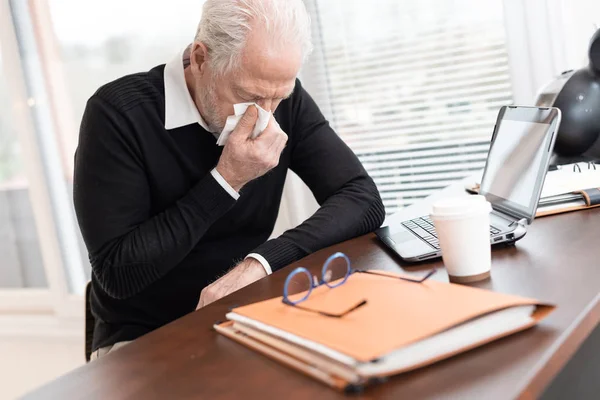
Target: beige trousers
point(101, 352)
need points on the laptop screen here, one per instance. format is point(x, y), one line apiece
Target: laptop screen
point(517, 163)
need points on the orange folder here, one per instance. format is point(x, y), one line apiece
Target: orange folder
point(403, 326)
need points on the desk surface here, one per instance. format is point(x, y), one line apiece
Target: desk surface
point(557, 262)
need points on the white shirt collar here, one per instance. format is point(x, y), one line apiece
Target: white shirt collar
point(180, 109)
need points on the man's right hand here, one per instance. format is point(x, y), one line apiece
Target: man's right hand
point(245, 159)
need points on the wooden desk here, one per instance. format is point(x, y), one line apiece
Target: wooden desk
point(558, 262)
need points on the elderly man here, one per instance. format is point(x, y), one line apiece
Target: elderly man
point(164, 210)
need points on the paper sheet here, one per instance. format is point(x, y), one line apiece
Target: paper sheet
point(565, 180)
point(239, 109)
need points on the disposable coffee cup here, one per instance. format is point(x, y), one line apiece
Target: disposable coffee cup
point(463, 229)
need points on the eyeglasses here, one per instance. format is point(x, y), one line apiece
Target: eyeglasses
point(335, 272)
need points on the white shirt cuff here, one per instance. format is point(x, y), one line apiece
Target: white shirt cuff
point(261, 260)
point(224, 184)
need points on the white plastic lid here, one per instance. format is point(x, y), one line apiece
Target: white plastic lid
point(460, 207)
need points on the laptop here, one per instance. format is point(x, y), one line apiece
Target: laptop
point(520, 151)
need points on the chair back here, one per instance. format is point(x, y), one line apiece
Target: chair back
point(90, 321)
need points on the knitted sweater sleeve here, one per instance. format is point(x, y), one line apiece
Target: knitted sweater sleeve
point(129, 249)
point(350, 204)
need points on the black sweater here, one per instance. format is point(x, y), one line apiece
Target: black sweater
point(158, 227)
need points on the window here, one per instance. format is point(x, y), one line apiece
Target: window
point(66, 60)
point(412, 87)
point(120, 38)
point(50, 64)
point(21, 265)
point(113, 38)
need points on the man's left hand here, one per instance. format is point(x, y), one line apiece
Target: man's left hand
point(248, 271)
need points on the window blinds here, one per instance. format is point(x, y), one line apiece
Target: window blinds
point(412, 87)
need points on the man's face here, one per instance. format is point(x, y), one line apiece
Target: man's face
point(265, 77)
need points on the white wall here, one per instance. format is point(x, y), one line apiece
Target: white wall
point(27, 363)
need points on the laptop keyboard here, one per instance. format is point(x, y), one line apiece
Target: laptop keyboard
point(423, 227)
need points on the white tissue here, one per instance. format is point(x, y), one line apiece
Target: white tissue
point(232, 121)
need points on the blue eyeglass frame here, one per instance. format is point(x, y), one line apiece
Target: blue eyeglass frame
point(349, 271)
point(311, 278)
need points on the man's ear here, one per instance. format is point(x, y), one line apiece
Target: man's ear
point(199, 57)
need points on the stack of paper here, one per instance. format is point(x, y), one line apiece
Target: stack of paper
point(403, 326)
point(571, 178)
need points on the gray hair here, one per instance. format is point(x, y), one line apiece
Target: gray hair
point(226, 24)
